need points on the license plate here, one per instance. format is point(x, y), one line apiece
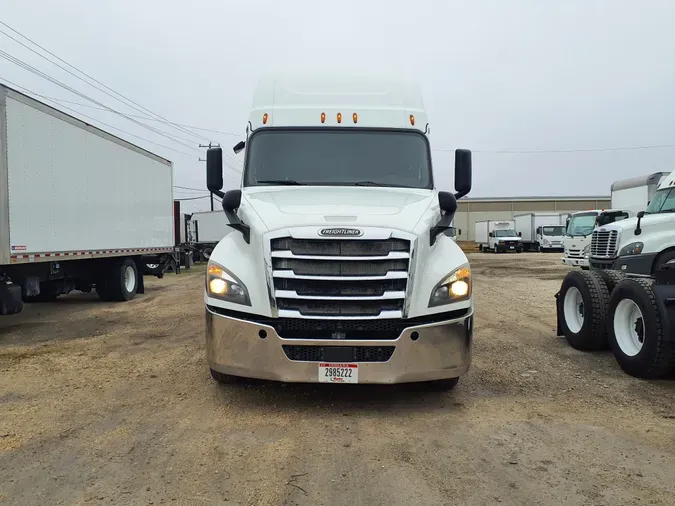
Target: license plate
point(338, 373)
point(513, 247)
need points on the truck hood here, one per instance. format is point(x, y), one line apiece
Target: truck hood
point(282, 206)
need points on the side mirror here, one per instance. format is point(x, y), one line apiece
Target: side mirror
point(231, 200)
point(447, 202)
point(462, 172)
point(641, 214)
point(520, 234)
point(238, 147)
point(214, 170)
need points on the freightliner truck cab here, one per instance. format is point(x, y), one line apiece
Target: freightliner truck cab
point(341, 267)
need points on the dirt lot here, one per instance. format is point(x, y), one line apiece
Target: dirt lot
point(113, 403)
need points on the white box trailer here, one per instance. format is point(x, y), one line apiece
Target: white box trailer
point(79, 207)
point(497, 236)
point(208, 228)
point(635, 194)
point(541, 231)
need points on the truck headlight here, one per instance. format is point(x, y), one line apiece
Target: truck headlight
point(587, 250)
point(222, 284)
point(546, 242)
point(454, 287)
point(634, 248)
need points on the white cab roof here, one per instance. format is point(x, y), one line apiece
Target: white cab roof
point(300, 100)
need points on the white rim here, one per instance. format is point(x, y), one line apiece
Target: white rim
point(629, 327)
point(207, 253)
point(129, 279)
point(573, 306)
point(152, 266)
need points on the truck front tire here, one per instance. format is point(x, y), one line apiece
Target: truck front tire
point(223, 379)
point(635, 329)
point(582, 308)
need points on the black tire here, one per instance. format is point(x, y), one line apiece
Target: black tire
point(223, 379)
point(662, 259)
point(656, 358)
point(592, 334)
point(206, 254)
point(117, 281)
point(445, 384)
point(611, 279)
point(102, 290)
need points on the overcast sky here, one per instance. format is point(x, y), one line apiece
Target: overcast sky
point(496, 75)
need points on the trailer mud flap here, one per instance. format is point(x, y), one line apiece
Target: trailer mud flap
point(558, 328)
point(11, 301)
point(664, 288)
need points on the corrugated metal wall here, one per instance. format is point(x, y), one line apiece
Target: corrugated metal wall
point(471, 211)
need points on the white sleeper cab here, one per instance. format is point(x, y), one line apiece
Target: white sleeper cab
point(341, 266)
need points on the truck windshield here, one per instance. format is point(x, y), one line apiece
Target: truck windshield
point(554, 231)
point(662, 202)
point(582, 224)
point(338, 157)
point(505, 233)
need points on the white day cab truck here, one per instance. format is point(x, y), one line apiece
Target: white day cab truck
point(627, 300)
point(541, 231)
point(498, 236)
point(79, 208)
point(629, 196)
point(339, 268)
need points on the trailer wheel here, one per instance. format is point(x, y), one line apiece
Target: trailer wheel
point(611, 279)
point(223, 379)
point(123, 280)
point(636, 333)
point(582, 307)
point(662, 259)
point(206, 253)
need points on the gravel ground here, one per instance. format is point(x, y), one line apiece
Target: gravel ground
point(113, 403)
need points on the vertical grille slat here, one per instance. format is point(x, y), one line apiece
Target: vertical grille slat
point(604, 244)
point(296, 261)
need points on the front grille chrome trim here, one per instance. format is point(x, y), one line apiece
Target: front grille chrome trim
point(393, 255)
point(288, 274)
point(289, 313)
point(292, 294)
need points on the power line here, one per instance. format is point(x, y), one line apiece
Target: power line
point(127, 101)
point(39, 73)
point(147, 118)
point(547, 151)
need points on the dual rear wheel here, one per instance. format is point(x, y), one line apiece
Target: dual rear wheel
point(604, 309)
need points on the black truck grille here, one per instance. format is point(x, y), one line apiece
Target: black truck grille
point(340, 278)
point(339, 353)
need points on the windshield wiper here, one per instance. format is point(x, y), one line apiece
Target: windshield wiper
point(366, 183)
point(286, 182)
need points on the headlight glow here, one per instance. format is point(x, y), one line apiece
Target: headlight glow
point(455, 287)
point(222, 284)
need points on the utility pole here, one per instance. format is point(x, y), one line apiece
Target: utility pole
point(210, 145)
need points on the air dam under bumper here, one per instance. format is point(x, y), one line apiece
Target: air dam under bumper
point(442, 350)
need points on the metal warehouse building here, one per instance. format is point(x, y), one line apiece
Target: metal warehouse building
point(471, 210)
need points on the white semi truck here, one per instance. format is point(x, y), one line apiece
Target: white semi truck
point(339, 268)
point(629, 197)
point(498, 236)
point(541, 231)
point(79, 208)
point(642, 244)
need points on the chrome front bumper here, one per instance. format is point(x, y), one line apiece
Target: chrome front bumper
point(441, 350)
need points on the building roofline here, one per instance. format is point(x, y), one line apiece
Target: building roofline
point(535, 198)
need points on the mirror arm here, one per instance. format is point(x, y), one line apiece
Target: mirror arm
point(459, 195)
point(443, 224)
point(239, 225)
point(218, 193)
